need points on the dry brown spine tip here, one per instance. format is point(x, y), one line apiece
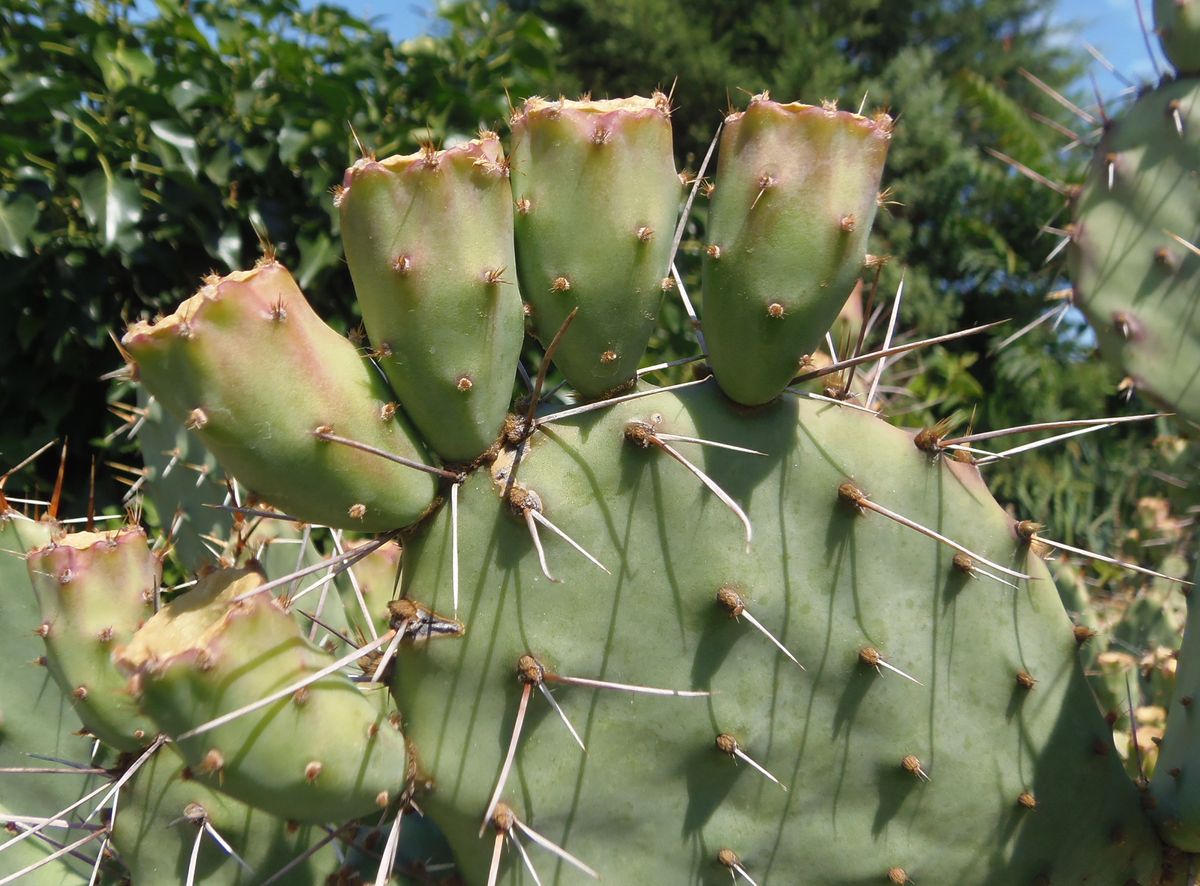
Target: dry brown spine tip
point(522, 499)
point(80, 692)
point(714, 251)
point(731, 600)
point(196, 419)
point(560, 284)
point(530, 670)
point(645, 233)
point(523, 206)
point(214, 761)
point(357, 511)
point(912, 765)
point(464, 383)
point(641, 434)
point(608, 357)
point(503, 818)
point(727, 744)
point(1166, 258)
point(1025, 680)
point(775, 310)
point(1027, 529)
point(312, 770)
point(402, 264)
point(1026, 800)
point(851, 494)
point(898, 876)
point(848, 223)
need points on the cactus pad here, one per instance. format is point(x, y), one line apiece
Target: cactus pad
point(796, 192)
point(248, 366)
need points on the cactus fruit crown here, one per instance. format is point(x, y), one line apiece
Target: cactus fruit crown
point(728, 627)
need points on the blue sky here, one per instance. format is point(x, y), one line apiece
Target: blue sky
point(1109, 25)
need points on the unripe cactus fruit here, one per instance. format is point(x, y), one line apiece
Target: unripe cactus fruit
point(250, 368)
point(429, 242)
point(796, 192)
point(321, 753)
point(94, 590)
point(596, 201)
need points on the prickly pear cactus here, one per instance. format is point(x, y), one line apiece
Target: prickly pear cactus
point(1133, 259)
point(667, 635)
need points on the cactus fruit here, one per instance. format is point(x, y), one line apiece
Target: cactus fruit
point(607, 168)
point(429, 243)
point(796, 192)
point(265, 384)
point(94, 590)
point(208, 653)
point(1132, 262)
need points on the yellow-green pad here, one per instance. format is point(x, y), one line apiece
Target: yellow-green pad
point(428, 238)
point(94, 590)
point(597, 196)
point(796, 192)
point(250, 368)
point(324, 753)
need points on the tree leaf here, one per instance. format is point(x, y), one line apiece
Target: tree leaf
point(112, 204)
point(316, 254)
point(176, 135)
point(17, 218)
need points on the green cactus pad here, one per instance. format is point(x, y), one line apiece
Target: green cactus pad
point(325, 753)
point(1013, 777)
point(164, 807)
point(1176, 782)
point(428, 239)
point(1140, 287)
point(249, 367)
point(94, 590)
point(1178, 25)
point(796, 193)
point(597, 198)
